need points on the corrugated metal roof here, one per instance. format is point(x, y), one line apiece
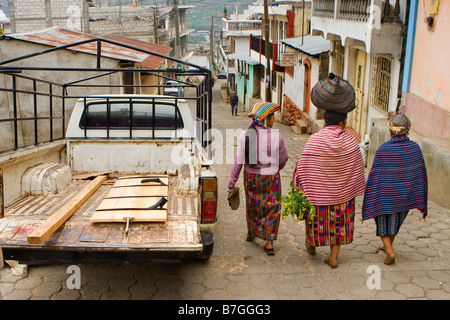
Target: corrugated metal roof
point(312, 45)
point(152, 62)
point(57, 36)
point(242, 56)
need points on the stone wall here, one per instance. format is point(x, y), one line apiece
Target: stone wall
point(32, 15)
point(139, 29)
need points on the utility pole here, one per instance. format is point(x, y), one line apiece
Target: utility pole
point(267, 52)
point(303, 21)
point(120, 17)
point(177, 30)
point(211, 45)
point(155, 25)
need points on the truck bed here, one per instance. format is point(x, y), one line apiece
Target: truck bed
point(179, 233)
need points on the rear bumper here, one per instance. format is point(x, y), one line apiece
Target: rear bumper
point(62, 255)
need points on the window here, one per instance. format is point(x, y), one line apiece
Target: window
point(96, 116)
point(128, 81)
point(381, 82)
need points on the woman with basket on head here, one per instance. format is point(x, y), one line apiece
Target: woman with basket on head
point(262, 152)
point(330, 171)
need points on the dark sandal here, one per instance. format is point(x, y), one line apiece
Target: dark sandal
point(249, 238)
point(269, 252)
point(311, 250)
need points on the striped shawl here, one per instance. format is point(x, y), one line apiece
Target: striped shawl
point(397, 181)
point(331, 169)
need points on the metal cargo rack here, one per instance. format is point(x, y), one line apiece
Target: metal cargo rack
point(58, 93)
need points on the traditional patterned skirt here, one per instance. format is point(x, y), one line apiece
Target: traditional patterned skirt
point(331, 225)
point(263, 194)
point(389, 224)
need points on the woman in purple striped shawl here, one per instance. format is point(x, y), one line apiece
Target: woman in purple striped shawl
point(397, 183)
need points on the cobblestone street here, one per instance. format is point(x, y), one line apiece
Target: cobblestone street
point(241, 270)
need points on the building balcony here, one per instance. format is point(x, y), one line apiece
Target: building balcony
point(376, 23)
point(240, 25)
point(237, 28)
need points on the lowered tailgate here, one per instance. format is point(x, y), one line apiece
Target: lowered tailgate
point(177, 232)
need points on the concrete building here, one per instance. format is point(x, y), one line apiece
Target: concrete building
point(306, 61)
point(287, 19)
point(80, 56)
point(366, 49)
point(242, 70)
point(137, 22)
point(32, 15)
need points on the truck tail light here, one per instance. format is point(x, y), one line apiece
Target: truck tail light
point(209, 200)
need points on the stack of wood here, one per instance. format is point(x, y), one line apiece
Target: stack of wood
point(291, 113)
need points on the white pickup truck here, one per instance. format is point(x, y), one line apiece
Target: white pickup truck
point(132, 184)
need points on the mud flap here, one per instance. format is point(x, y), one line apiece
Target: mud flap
point(208, 247)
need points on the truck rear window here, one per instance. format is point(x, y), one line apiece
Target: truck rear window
point(167, 116)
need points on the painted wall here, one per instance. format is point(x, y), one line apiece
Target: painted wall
point(240, 90)
point(426, 96)
point(429, 78)
point(295, 86)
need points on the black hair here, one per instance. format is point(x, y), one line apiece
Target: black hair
point(250, 145)
point(333, 117)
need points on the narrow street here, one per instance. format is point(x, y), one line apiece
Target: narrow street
point(241, 270)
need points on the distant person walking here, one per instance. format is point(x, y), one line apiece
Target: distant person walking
point(397, 183)
point(330, 171)
point(234, 103)
point(262, 152)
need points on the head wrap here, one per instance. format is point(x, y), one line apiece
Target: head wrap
point(399, 125)
point(261, 110)
point(334, 93)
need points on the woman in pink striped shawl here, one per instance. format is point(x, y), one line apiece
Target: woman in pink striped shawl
point(331, 170)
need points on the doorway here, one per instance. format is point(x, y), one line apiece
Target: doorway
point(360, 68)
point(307, 85)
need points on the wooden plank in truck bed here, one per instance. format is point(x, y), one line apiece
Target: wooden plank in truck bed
point(138, 191)
point(136, 215)
point(139, 208)
point(138, 203)
point(52, 223)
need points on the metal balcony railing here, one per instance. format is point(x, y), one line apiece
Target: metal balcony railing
point(323, 8)
point(242, 25)
point(354, 10)
point(259, 45)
